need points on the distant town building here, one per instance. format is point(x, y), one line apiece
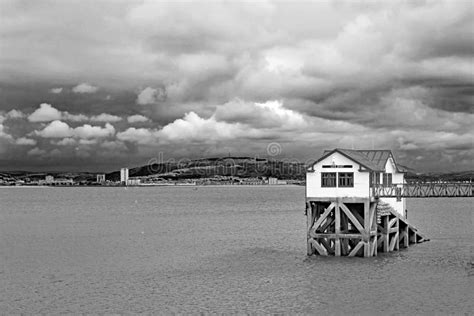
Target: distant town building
point(101, 178)
point(63, 181)
point(133, 181)
point(275, 181)
point(50, 180)
point(124, 176)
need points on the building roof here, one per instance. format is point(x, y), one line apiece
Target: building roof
point(373, 160)
point(378, 157)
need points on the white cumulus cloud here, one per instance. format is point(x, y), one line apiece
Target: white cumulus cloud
point(25, 141)
point(92, 141)
point(88, 131)
point(65, 142)
point(137, 118)
point(56, 90)
point(138, 135)
point(45, 113)
point(59, 129)
point(84, 88)
point(15, 114)
point(104, 117)
point(4, 134)
point(193, 127)
point(74, 117)
point(150, 96)
point(56, 129)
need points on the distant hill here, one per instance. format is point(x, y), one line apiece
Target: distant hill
point(439, 176)
point(244, 167)
point(248, 167)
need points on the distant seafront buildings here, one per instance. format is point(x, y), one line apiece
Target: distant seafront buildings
point(125, 180)
point(208, 171)
point(124, 176)
point(50, 180)
point(100, 178)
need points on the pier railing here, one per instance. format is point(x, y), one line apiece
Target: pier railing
point(423, 190)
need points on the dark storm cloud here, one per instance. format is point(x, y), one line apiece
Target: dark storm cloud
point(448, 95)
point(214, 77)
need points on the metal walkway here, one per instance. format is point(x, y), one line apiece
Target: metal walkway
point(424, 190)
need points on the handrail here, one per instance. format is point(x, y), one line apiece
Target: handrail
point(425, 189)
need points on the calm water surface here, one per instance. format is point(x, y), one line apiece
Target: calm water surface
point(216, 249)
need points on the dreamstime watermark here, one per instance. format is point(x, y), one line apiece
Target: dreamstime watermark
point(248, 166)
point(274, 149)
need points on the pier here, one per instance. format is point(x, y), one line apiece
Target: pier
point(355, 207)
point(425, 190)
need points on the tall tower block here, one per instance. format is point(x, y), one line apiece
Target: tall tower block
point(124, 176)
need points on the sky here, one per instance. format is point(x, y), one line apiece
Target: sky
point(99, 85)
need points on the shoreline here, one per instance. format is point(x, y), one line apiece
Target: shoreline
point(151, 185)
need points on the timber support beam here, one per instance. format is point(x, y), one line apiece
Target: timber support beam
point(351, 227)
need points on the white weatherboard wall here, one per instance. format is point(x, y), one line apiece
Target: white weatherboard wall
point(398, 179)
point(313, 179)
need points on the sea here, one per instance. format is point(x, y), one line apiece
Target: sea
point(216, 250)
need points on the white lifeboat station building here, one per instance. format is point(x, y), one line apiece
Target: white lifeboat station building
point(344, 215)
point(353, 174)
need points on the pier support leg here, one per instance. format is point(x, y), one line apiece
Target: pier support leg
point(367, 248)
point(385, 235)
point(348, 227)
point(404, 235)
point(310, 222)
point(342, 227)
point(337, 241)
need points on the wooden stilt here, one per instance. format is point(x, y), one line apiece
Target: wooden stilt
point(322, 251)
point(344, 230)
point(352, 216)
point(348, 227)
point(327, 245)
point(404, 236)
point(337, 241)
point(385, 234)
point(325, 214)
point(373, 217)
point(310, 221)
point(356, 249)
point(411, 236)
point(367, 222)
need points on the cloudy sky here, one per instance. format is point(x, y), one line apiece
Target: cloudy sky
point(95, 85)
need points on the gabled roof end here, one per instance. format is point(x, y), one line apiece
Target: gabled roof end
point(374, 160)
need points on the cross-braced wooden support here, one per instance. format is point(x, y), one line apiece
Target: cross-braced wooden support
point(389, 233)
point(348, 227)
point(342, 227)
point(394, 232)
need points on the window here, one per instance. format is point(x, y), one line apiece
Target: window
point(346, 179)
point(328, 179)
point(387, 179)
point(374, 178)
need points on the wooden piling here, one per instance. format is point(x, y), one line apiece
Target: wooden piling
point(348, 227)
